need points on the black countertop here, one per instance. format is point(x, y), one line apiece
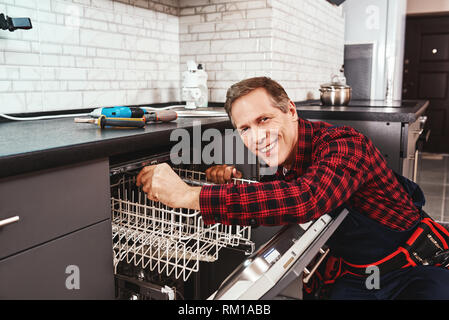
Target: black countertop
point(365, 110)
point(27, 146)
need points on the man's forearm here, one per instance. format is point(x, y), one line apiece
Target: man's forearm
point(193, 198)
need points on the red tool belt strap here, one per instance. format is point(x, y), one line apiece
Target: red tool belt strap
point(425, 245)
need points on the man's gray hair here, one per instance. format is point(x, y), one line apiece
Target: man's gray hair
point(274, 90)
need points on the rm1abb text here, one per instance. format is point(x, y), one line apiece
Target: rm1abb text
point(246, 309)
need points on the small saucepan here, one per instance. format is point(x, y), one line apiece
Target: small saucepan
point(335, 94)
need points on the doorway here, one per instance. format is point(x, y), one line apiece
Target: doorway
point(426, 73)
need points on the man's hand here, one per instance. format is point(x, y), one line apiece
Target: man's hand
point(222, 174)
point(161, 183)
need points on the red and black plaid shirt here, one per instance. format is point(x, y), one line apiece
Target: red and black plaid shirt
point(333, 166)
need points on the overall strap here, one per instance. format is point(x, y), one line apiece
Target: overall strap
point(427, 245)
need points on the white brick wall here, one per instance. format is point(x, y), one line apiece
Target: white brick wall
point(88, 53)
point(309, 45)
point(296, 42)
point(232, 39)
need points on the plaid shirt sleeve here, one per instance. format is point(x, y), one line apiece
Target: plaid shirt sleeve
point(341, 163)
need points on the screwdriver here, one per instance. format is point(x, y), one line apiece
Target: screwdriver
point(162, 115)
point(103, 122)
point(134, 122)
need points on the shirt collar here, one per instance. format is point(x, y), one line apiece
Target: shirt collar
point(303, 150)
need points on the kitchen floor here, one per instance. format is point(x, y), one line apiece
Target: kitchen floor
point(433, 178)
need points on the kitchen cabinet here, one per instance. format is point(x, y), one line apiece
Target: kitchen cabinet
point(63, 220)
point(75, 266)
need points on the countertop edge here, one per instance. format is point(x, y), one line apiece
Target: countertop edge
point(375, 114)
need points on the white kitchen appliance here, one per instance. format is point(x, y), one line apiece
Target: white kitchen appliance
point(194, 86)
point(374, 48)
point(270, 266)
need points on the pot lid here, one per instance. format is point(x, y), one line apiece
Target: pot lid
point(335, 85)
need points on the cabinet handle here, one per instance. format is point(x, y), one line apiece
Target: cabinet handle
point(7, 221)
point(415, 166)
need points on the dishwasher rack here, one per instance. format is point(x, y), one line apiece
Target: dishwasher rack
point(171, 241)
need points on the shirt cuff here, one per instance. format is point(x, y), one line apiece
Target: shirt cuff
point(213, 203)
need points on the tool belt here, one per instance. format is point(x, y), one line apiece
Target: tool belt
point(428, 245)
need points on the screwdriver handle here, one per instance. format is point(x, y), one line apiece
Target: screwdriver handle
point(121, 122)
point(163, 116)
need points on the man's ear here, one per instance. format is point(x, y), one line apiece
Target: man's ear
point(292, 110)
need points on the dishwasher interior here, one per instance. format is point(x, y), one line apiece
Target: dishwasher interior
point(166, 253)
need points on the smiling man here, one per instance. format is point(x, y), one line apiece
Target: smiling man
point(270, 133)
point(320, 169)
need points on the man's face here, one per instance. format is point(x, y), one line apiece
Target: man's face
point(265, 130)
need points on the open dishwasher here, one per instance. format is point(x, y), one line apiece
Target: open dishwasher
point(158, 250)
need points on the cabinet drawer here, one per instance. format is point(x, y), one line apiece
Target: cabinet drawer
point(45, 271)
point(52, 203)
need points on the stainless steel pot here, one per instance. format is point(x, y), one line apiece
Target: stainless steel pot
point(335, 94)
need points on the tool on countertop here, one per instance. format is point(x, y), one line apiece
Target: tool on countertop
point(162, 116)
point(103, 122)
point(129, 117)
point(118, 112)
point(135, 112)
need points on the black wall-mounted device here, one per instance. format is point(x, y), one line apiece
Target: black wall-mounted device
point(336, 2)
point(11, 24)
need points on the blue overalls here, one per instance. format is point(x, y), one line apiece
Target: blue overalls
point(362, 240)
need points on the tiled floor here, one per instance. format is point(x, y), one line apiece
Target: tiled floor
point(433, 178)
